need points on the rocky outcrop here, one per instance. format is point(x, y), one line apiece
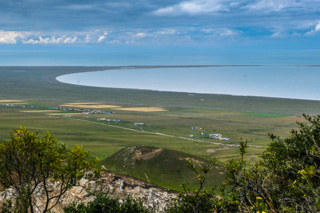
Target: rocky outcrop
point(153, 197)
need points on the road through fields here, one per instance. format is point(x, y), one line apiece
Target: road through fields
point(166, 135)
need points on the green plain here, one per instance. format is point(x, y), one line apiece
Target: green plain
point(250, 118)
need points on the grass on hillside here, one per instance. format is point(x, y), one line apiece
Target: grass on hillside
point(163, 167)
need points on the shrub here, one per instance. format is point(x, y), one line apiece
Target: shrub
point(104, 204)
point(286, 179)
point(33, 165)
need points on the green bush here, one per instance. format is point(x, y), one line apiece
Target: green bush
point(201, 199)
point(29, 164)
point(286, 179)
point(104, 204)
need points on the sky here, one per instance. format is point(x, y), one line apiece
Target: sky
point(159, 32)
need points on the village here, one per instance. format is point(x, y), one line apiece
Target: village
point(210, 135)
point(200, 132)
point(17, 105)
point(84, 111)
point(91, 111)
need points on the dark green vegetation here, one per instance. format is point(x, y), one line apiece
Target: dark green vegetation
point(31, 165)
point(251, 118)
point(286, 179)
point(160, 166)
point(105, 204)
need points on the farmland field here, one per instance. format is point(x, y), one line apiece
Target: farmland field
point(31, 97)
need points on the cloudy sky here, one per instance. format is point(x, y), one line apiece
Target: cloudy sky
point(152, 32)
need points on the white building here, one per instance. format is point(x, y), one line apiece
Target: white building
point(215, 136)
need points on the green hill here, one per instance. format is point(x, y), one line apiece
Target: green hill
point(167, 168)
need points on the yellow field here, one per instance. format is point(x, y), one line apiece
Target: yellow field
point(95, 105)
point(144, 109)
point(39, 111)
point(11, 101)
point(89, 105)
point(65, 114)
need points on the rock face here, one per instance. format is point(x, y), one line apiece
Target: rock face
point(153, 197)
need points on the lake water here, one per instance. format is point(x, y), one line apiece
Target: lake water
point(267, 81)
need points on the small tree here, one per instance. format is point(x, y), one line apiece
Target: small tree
point(32, 165)
point(287, 178)
point(105, 204)
point(203, 200)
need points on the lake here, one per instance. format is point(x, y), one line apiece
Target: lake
point(296, 82)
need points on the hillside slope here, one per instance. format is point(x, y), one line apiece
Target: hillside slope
point(167, 168)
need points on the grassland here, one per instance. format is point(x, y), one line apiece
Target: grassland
point(170, 118)
point(38, 83)
point(146, 162)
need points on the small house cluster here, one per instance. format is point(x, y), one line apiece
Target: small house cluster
point(17, 105)
point(196, 128)
point(218, 136)
point(108, 120)
point(84, 111)
point(212, 136)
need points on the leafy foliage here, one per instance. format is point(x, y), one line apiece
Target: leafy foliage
point(104, 204)
point(198, 200)
point(286, 179)
point(203, 200)
point(34, 165)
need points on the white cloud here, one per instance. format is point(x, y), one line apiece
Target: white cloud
point(278, 35)
point(272, 5)
point(51, 40)
point(193, 7)
point(114, 42)
point(314, 30)
point(129, 42)
point(221, 32)
point(38, 37)
point(130, 36)
point(140, 35)
point(79, 7)
point(165, 11)
point(10, 37)
point(167, 32)
point(227, 33)
point(88, 39)
point(101, 38)
point(70, 40)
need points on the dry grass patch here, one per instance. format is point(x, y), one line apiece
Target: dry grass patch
point(144, 109)
point(38, 111)
point(65, 114)
point(11, 101)
point(96, 105)
point(57, 114)
point(151, 154)
point(198, 162)
point(90, 105)
point(216, 150)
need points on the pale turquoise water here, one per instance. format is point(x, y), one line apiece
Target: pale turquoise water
point(268, 81)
